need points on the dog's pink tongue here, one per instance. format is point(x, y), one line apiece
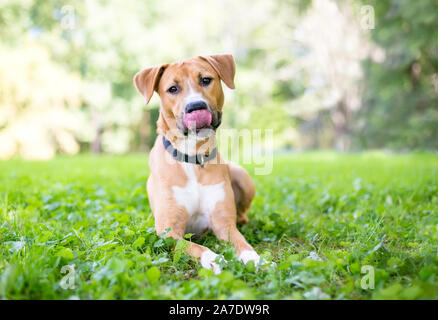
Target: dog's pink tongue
point(198, 118)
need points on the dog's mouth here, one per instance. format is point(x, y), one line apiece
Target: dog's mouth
point(198, 120)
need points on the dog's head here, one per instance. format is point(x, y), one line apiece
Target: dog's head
point(190, 92)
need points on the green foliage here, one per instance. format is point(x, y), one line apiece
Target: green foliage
point(83, 39)
point(401, 92)
point(320, 217)
point(306, 69)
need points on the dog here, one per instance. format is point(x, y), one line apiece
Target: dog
point(190, 188)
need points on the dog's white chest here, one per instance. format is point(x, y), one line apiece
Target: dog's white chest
point(199, 200)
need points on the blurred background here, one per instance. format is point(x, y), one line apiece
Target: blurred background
point(323, 74)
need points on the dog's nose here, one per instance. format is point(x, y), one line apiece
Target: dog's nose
point(197, 105)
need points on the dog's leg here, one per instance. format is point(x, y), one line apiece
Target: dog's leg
point(202, 254)
point(223, 222)
point(228, 232)
point(243, 189)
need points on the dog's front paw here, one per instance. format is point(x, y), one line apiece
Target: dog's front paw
point(249, 255)
point(208, 259)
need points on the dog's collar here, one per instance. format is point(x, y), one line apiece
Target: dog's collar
point(200, 159)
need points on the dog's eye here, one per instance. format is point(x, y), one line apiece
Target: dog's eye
point(173, 89)
point(205, 81)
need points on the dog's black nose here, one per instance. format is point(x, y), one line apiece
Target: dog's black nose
point(197, 105)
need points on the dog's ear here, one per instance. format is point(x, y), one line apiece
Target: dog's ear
point(146, 81)
point(224, 65)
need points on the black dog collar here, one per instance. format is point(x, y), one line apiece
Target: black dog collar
point(196, 159)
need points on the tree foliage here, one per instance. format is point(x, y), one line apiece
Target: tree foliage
point(306, 69)
point(400, 98)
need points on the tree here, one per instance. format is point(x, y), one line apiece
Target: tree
point(400, 95)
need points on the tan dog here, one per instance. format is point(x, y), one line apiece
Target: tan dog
point(190, 189)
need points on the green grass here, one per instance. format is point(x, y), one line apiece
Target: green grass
point(350, 210)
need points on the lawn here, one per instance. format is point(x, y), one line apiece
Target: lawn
point(328, 221)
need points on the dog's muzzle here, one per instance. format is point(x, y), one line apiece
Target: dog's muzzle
point(198, 115)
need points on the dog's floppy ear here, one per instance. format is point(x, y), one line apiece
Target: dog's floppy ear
point(146, 81)
point(224, 65)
